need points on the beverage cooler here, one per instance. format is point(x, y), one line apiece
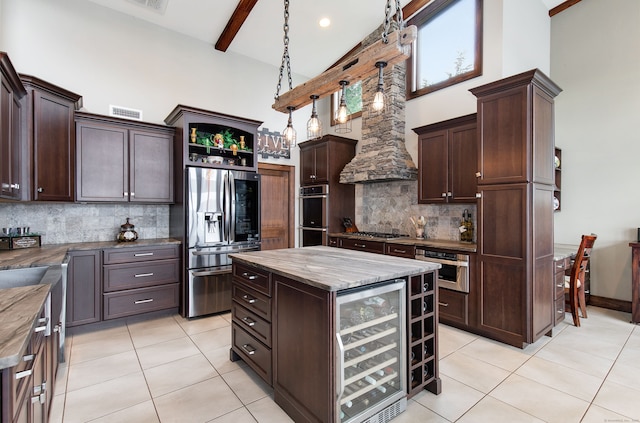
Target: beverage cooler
point(370, 351)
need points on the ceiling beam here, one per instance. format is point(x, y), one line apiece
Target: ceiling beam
point(235, 22)
point(352, 69)
point(562, 6)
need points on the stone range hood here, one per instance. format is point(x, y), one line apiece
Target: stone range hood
point(383, 155)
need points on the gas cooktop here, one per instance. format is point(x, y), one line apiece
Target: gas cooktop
point(385, 235)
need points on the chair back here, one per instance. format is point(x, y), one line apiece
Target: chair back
point(582, 257)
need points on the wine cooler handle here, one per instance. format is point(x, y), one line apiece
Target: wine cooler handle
point(341, 368)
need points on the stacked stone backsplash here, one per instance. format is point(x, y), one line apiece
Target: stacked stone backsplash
point(61, 222)
point(387, 207)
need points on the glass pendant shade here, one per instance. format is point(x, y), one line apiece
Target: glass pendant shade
point(314, 126)
point(342, 118)
point(289, 134)
point(380, 100)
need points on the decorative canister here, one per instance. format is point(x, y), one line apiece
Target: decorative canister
point(243, 146)
point(127, 234)
point(193, 135)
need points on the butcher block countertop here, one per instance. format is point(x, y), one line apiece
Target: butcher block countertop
point(333, 269)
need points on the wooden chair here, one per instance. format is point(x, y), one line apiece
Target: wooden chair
point(575, 287)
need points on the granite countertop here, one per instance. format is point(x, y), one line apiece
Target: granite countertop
point(19, 307)
point(52, 254)
point(19, 311)
point(333, 269)
point(418, 242)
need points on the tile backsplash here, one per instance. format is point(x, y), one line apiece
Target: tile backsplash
point(65, 222)
point(387, 207)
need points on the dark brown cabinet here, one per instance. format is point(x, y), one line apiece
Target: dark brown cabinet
point(12, 177)
point(84, 287)
point(51, 135)
point(140, 279)
point(322, 160)
point(123, 161)
point(515, 209)
point(447, 161)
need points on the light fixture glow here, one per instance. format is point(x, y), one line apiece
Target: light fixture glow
point(343, 122)
point(314, 126)
point(289, 134)
point(379, 101)
point(324, 22)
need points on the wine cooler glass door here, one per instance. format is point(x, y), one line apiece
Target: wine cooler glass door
point(370, 349)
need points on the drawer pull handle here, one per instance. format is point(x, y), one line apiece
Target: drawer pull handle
point(360, 245)
point(560, 311)
point(248, 321)
point(249, 276)
point(29, 357)
point(148, 300)
point(443, 304)
point(395, 250)
point(142, 275)
point(249, 349)
point(142, 254)
point(24, 373)
point(248, 299)
point(560, 285)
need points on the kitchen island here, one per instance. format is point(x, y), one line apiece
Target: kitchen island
point(288, 326)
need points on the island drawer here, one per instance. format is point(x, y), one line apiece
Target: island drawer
point(363, 245)
point(253, 277)
point(133, 254)
point(138, 275)
point(252, 323)
point(452, 306)
point(141, 300)
point(252, 351)
point(253, 300)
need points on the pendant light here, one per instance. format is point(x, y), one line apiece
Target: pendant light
point(314, 126)
point(289, 134)
point(380, 102)
point(342, 118)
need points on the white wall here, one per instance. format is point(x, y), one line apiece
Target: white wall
point(595, 58)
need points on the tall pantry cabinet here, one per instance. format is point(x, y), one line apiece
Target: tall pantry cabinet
point(515, 207)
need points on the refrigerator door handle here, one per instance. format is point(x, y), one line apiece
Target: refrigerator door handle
point(232, 207)
point(227, 209)
point(340, 390)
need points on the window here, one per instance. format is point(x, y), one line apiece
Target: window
point(448, 49)
point(353, 98)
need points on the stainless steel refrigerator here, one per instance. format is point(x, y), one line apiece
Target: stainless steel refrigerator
point(222, 217)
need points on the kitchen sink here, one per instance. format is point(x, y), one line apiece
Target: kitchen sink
point(13, 278)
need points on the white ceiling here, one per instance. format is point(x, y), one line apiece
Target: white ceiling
point(261, 36)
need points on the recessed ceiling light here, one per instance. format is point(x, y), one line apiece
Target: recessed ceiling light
point(324, 22)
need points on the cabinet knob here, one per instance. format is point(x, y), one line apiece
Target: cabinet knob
point(449, 194)
point(133, 194)
point(444, 195)
point(14, 186)
point(40, 189)
point(478, 174)
point(478, 195)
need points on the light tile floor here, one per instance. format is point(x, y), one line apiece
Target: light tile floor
point(169, 369)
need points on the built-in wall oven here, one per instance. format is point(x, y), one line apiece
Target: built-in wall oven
point(454, 273)
point(314, 212)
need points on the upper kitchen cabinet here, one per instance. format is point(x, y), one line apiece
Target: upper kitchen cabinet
point(516, 129)
point(120, 160)
point(51, 135)
point(447, 161)
point(322, 160)
point(210, 139)
point(12, 92)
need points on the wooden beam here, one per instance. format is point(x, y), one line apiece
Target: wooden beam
point(235, 22)
point(562, 6)
point(413, 7)
point(352, 69)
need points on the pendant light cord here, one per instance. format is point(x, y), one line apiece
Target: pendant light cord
point(388, 16)
point(285, 53)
